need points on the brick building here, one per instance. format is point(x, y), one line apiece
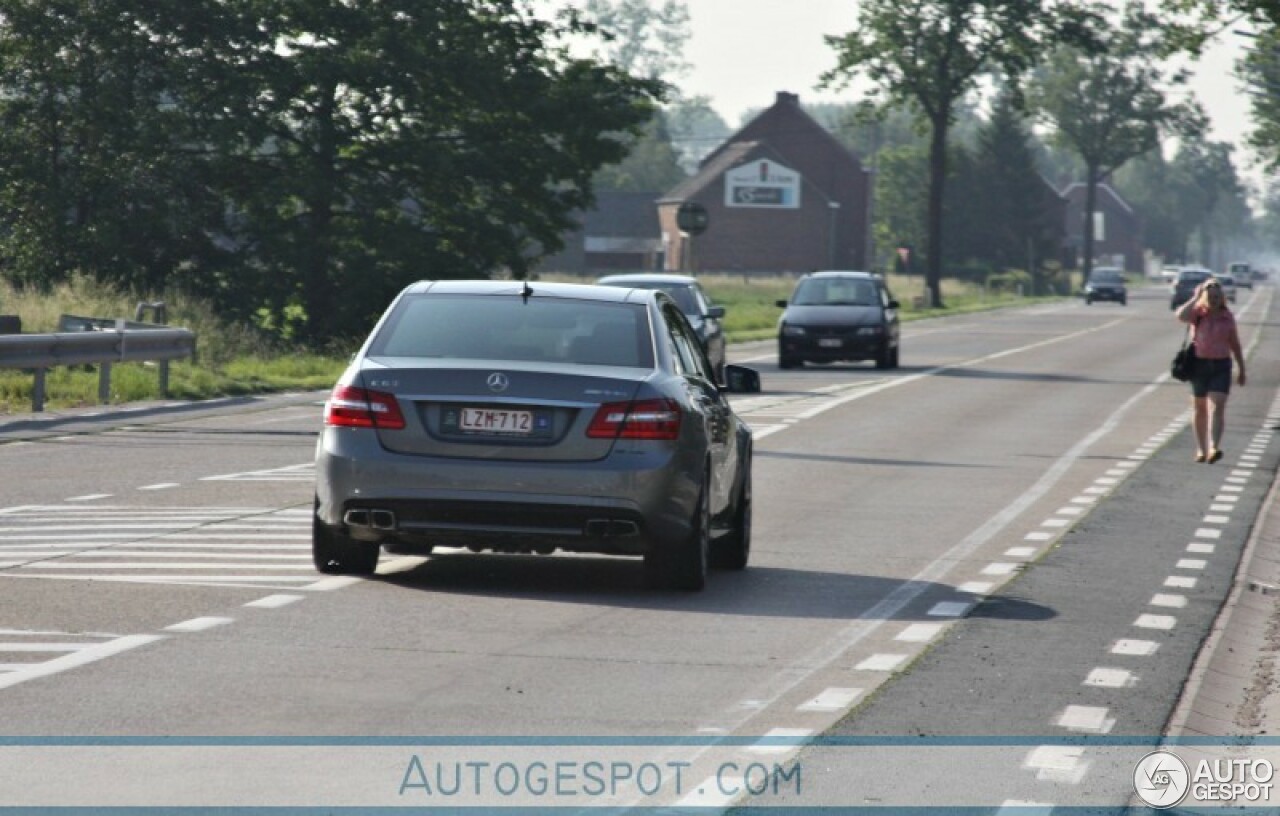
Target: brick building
point(781, 195)
point(1118, 230)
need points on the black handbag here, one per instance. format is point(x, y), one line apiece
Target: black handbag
point(1184, 362)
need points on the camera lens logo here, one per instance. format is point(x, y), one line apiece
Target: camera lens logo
point(1161, 779)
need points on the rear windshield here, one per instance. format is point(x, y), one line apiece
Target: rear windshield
point(505, 327)
point(681, 293)
point(835, 292)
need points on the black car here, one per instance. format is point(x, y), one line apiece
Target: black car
point(1106, 283)
point(692, 300)
point(836, 316)
point(1188, 279)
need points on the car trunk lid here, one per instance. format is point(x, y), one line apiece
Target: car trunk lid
point(501, 410)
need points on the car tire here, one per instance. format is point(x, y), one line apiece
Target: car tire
point(894, 362)
point(884, 359)
point(335, 554)
point(684, 566)
point(785, 361)
point(732, 550)
point(1088, 301)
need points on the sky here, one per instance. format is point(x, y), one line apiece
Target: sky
point(744, 51)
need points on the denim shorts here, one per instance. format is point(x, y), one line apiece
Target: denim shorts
point(1211, 376)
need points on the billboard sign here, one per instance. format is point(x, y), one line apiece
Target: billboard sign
point(762, 183)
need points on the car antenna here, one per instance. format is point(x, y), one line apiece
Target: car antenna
point(526, 291)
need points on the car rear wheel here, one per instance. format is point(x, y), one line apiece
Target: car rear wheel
point(787, 361)
point(336, 554)
point(684, 566)
point(733, 550)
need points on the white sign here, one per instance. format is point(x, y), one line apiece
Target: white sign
point(762, 183)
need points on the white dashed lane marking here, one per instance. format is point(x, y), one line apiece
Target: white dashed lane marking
point(73, 650)
point(1111, 678)
point(833, 699)
point(199, 624)
point(1135, 648)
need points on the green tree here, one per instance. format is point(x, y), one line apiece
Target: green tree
point(651, 165)
point(1108, 106)
point(1016, 221)
point(901, 191)
point(394, 139)
point(641, 37)
point(300, 159)
point(1156, 188)
point(98, 176)
point(930, 54)
point(695, 128)
point(1261, 68)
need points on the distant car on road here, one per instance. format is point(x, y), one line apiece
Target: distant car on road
point(525, 418)
point(1185, 287)
point(1106, 283)
point(1242, 273)
point(693, 301)
point(838, 315)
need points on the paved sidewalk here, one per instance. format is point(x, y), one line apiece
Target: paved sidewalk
point(1233, 689)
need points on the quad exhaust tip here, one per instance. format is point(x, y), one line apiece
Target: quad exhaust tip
point(376, 519)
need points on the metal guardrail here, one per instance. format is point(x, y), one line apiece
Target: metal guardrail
point(130, 342)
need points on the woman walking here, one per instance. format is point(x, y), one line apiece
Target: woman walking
point(1213, 331)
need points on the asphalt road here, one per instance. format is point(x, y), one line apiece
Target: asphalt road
point(952, 552)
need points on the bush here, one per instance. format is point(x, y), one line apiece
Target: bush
point(969, 273)
point(1012, 281)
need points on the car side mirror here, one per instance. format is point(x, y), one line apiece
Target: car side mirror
point(781, 304)
point(716, 312)
point(741, 380)
point(893, 304)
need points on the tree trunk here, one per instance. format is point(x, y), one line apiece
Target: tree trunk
point(1090, 204)
point(937, 190)
point(318, 289)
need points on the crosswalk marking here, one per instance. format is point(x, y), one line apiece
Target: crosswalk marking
point(220, 546)
point(291, 473)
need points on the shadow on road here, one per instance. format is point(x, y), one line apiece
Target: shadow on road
point(860, 460)
point(756, 592)
point(969, 373)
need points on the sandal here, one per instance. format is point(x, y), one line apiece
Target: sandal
point(1215, 456)
point(1200, 457)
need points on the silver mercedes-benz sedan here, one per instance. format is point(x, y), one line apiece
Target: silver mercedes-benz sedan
point(525, 418)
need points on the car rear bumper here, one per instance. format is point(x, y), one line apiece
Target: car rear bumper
point(626, 504)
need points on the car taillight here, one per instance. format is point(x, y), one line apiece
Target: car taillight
point(351, 407)
point(643, 419)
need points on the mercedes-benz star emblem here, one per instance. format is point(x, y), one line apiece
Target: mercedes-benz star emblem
point(498, 382)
